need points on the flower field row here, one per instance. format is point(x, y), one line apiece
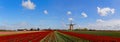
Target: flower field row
point(26, 37)
point(56, 36)
point(92, 38)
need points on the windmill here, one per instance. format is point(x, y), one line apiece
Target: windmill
point(71, 25)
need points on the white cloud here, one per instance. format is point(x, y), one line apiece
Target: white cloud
point(84, 14)
point(45, 12)
point(105, 11)
point(99, 20)
point(69, 12)
point(28, 4)
point(70, 19)
point(106, 25)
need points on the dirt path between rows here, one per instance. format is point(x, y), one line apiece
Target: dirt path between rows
point(50, 38)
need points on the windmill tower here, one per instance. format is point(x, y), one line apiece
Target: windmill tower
point(71, 25)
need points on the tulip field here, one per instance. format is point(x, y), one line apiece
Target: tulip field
point(57, 36)
point(25, 37)
point(93, 38)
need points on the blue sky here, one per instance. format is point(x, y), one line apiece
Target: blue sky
point(16, 14)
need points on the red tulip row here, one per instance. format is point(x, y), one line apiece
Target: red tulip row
point(26, 37)
point(93, 38)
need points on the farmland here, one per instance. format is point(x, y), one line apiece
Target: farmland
point(60, 36)
point(25, 37)
point(101, 33)
point(4, 33)
point(93, 38)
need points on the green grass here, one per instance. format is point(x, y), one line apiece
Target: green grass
point(66, 38)
point(101, 33)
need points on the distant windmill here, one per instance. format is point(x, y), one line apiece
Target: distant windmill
point(71, 25)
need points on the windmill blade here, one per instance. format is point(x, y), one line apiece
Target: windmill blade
point(63, 24)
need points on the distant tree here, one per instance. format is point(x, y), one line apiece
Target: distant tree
point(92, 30)
point(85, 29)
point(31, 29)
point(76, 29)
